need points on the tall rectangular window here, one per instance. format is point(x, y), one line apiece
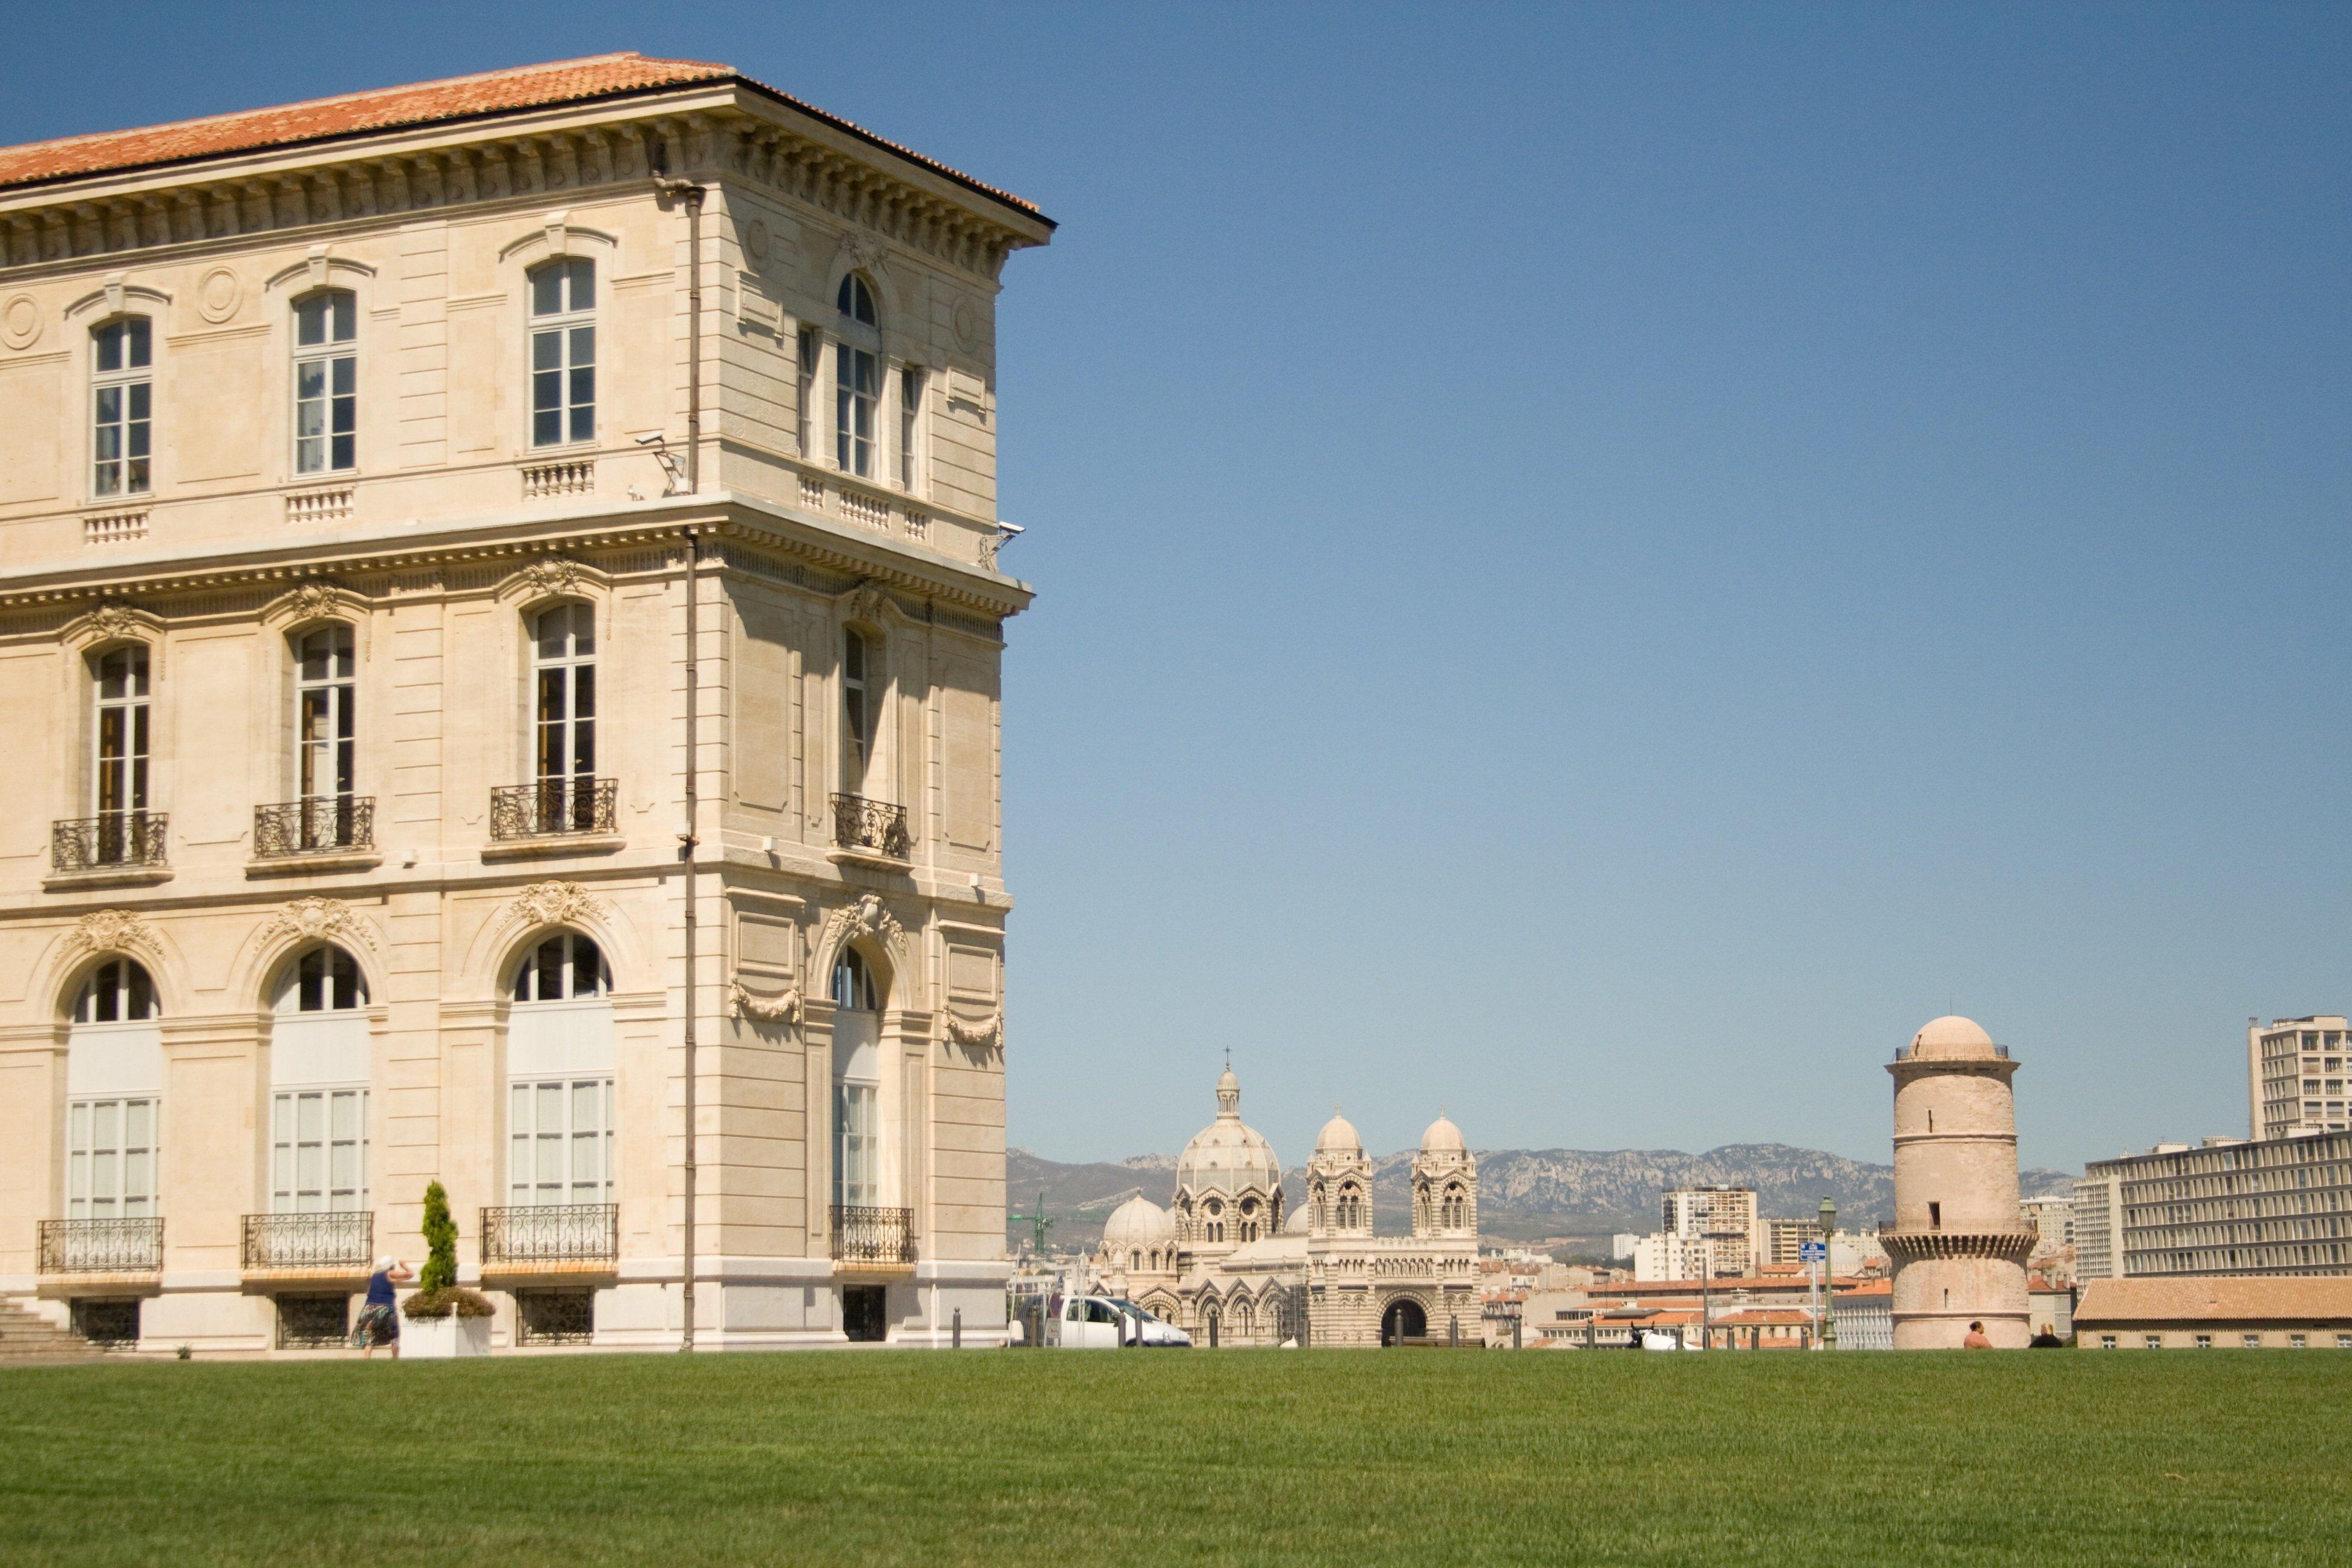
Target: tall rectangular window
point(326, 383)
point(319, 1151)
point(119, 729)
point(324, 717)
point(808, 368)
point(563, 352)
point(854, 396)
point(855, 1179)
point(910, 424)
point(122, 391)
point(111, 1159)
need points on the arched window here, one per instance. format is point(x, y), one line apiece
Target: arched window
point(320, 1068)
point(1456, 1209)
point(1135, 1258)
point(564, 967)
point(121, 407)
point(113, 1095)
point(563, 663)
point(560, 1077)
point(118, 991)
point(326, 382)
point(119, 735)
point(858, 382)
point(325, 979)
point(852, 983)
point(563, 352)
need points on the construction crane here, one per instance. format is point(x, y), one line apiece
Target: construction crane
point(1039, 1220)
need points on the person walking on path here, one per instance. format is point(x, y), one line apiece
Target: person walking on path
point(380, 1318)
point(1976, 1340)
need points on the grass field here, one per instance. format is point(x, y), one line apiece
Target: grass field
point(1355, 1458)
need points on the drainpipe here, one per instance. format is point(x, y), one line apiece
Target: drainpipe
point(692, 194)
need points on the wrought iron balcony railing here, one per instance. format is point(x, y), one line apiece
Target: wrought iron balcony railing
point(117, 838)
point(551, 1233)
point(554, 806)
point(101, 1247)
point(307, 1241)
point(862, 824)
point(322, 824)
point(865, 1235)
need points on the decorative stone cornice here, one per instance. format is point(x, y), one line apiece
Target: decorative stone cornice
point(2016, 1245)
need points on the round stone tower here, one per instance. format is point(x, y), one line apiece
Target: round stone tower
point(1959, 1245)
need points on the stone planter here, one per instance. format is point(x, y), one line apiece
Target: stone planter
point(444, 1339)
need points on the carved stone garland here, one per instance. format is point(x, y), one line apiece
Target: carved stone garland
point(987, 1037)
point(784, 1009)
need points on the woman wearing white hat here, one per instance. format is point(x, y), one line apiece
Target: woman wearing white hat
point(380, 1318)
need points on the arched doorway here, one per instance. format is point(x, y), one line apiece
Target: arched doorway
point(1403, 1320)
point(1210, 1320)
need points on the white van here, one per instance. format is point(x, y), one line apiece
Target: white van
point(1109, 1322)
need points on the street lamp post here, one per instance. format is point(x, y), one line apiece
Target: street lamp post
point(1829, 1277)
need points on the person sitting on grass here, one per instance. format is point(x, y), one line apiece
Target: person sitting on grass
point(2046, 1340)
point(380, 1318)
point(1976, 1340)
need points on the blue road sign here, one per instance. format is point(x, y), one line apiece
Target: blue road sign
point(1813, 1252)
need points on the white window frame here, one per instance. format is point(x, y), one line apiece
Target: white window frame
point(573, 671)
point(340, 1140)
point(134, 386)
point(555, 348)
point(559, 1141)
point(857, 378)
point(335, 360)
point(913, 387)
point(90, 1166)
point(136, 720)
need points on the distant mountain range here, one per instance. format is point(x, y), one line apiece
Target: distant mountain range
point(1563, 1195)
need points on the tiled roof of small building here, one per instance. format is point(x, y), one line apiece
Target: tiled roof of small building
point(391, 108)
point(2219, 1298)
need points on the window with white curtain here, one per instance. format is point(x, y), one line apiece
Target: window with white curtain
point(113, 1112)
point(319, 1065)
point(559, 1142)
point(856, 1084)
point(110, 1158)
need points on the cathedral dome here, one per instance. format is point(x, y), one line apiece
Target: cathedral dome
point(1139, 1221)
point(1951, 1038)
point(1338, 1137)
point(1443, 1138)
point(1228, 1154)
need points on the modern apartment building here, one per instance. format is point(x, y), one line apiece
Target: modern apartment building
point(2097, 1212)
point(1721, 1223)
point(500, 639)
point(2281, 1206)
point(2296, 1072)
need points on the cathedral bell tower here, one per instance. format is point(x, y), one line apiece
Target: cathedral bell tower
point(1338, 1183)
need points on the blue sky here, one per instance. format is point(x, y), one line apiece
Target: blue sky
point(1598, 566)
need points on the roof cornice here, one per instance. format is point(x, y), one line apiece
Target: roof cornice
point(711, 131)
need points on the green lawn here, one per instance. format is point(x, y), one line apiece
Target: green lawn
point(1426, 1458)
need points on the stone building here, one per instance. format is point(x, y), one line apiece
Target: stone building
point(1959, 1243)
point(1226, 1264)
point(2210, 1314)
point(499, 638)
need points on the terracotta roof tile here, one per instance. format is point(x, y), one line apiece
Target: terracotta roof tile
point(391, 108)
point(2216, 1297)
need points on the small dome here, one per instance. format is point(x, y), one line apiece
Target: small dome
point(1295, 1222)
point(1443, 1138)
point(1951, 1036)
point(1139, 1221)
point(1338, 1137)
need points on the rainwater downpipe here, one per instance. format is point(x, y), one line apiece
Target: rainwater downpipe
point(687, 840)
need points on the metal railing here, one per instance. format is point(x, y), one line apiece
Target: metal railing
point(862, 824)
point(101, 1247)
point(322, 824)
point(117, 838)
point(274, 1241)
point(864, 1234)
point(553, 806)
point(551, 1233)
